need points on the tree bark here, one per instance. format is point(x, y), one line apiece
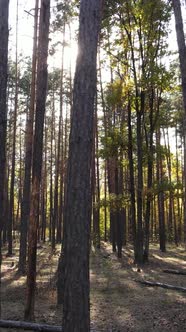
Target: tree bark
point(182, 57)
point(131, 175)
point(59, 165)
point(12, 181)
point(180, 272)
point(4, 13)
point(149, 144)
point(95, 187)
point(161, 203)
point(25, 206)
point(77, 212)
point(37, 155)
point(159, 284)
point(29, 326)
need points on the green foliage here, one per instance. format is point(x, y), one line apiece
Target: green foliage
point(115, 202)
point(113, 143)
point(54, 78)
point(166, 186)
point(64, 12)
point(114, 94)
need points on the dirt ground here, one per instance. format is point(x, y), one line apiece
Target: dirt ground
point(118, 302)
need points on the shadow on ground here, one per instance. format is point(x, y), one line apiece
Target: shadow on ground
point(118, 302)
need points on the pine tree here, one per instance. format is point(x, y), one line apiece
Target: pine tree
point(77, 212)
point(41, 89)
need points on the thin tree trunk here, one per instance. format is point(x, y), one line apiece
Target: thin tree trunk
point(111, 186)
point(105, 167)
point(161, 204)
point(59, 156)
point(95, 185)
point(178, 191)
point(45, 197)
point(37, 155)
point(51, 175)
point(105, 199)
point(182, 56)
point(170, 219)
point(139, 232)
point(11, 205)
point(25, 206)
point(4, 13)
point(131, 175)
point(149, 143)
point(55, 211)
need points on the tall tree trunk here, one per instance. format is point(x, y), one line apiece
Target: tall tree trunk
point(149, 143)
point(37, 155)
point(178, 191)
point(19, 198)
point(59, 171)
point(111, 186)
point(105, 166)
point(131, 175)
point(77, 213)
point(55, 211)
point(95, 185)
point(119, 230)
point(44, 191)
point(25, 206)
point(12, 181)
point(105, 199)
point(161, 203)
point(139, 231)
point(170, 218)
point(182, 56)
point(51, 174)
point(4, 12)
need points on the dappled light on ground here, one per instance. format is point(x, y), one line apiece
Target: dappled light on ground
point(118, 302)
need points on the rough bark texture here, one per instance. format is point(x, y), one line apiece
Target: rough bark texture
point(4, 6)
point(76, 311)
point(12, 180)
point(25, 206)
point(4, 11)
point(182, 56)
point(37, 154)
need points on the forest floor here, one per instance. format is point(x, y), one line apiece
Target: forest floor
point(118, 302)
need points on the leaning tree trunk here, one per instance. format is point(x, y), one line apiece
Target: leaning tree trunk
point(77, 213)
point(4, 8)
point(182, 56)
point(37, 154)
